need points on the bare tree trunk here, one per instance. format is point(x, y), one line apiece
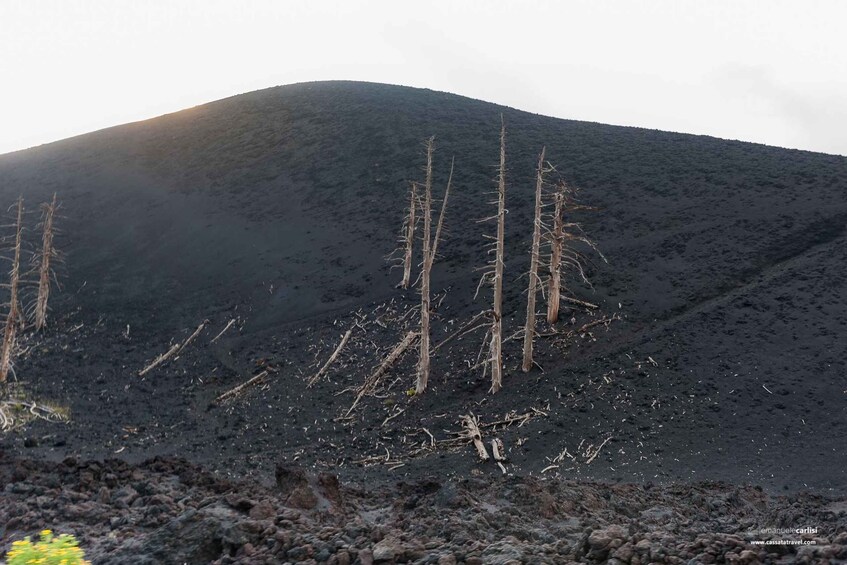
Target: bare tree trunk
point(47, 253)
point(496, 357)
point(529, 329)
point(443, 208)
point(12, 317)
point(423, 363)
point(555, 284)
point(410, 236)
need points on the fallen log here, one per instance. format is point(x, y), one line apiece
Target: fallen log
point(173, 351)
point(232, 393)
point(473, 433)
point(386, 364)
point(331, 360)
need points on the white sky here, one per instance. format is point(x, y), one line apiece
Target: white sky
point(771, 71)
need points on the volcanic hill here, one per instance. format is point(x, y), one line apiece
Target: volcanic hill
point(726, 275)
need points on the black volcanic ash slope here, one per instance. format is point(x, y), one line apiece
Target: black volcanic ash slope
point(726, 260)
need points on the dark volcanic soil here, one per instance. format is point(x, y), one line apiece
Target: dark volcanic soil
point(169, 511)
point(726, 273)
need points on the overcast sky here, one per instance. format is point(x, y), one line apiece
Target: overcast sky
point(773, 71)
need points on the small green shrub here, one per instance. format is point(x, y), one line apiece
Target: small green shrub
point(49, 550)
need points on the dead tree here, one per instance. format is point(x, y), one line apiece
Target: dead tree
point(44, 269)
point(529, 329)
point(423, 362)
point(563, 253)
point(555, 280)
point(14, 302)
point(495, 334)
point(409, 236)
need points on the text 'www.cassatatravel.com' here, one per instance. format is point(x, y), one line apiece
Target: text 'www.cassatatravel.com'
point(792, 536)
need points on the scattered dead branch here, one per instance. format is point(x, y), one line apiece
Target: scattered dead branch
point(173, 351)
point(471, 424)
point(497, 449)
point(236, 391)
point(223, 331)
point(588, 305)
point(515, 418)
point(17, 412)
point(332, 359)
point(596, 452)
point(386, 364)
point(392, 416)
point(473, 324)
point(583, 329)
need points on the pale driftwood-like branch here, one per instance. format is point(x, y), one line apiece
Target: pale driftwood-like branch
point(386, 364)
point(173, 351)
point(423, 360)
point(529, 328)
point(597, 451)
point(223, 331)
point(13, 313)
point(392, 416)
point(232, 393)
point(579, 302)
point(604, 321)
point(472, 424)
point(409, 237)
point(496, 356)
point(331, 359)
point(497, 449)
point(443, 210)
point(47, 253)
point(16, 412)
